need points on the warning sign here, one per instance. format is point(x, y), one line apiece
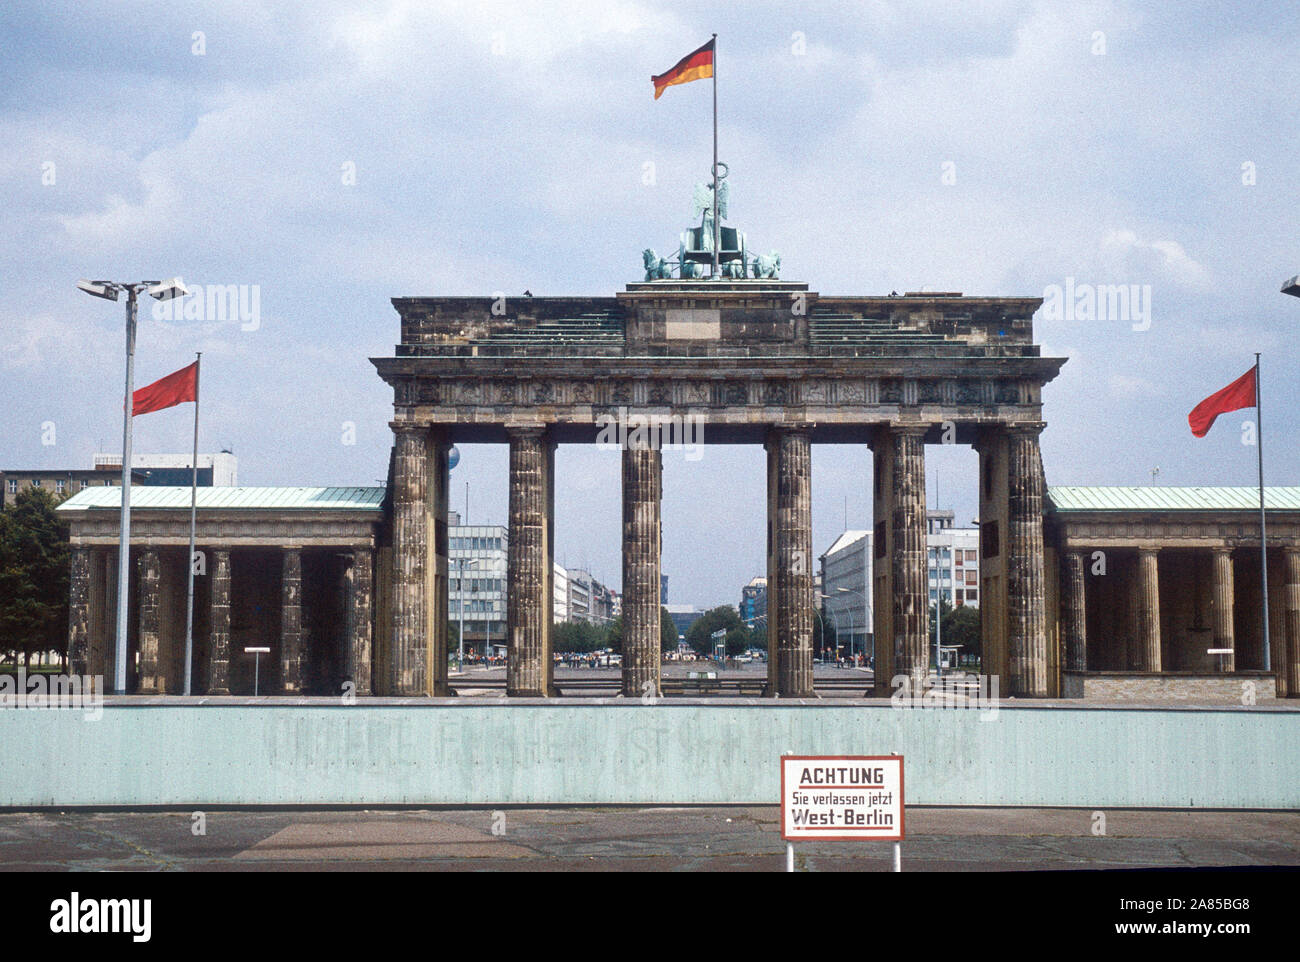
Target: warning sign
point(842, 797)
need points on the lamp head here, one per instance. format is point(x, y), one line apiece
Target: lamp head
point(168, 289)
point(1292, 286)
point(104, 289)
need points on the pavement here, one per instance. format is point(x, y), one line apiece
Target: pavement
point(741, 838)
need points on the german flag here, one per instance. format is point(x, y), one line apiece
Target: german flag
point(697, 65)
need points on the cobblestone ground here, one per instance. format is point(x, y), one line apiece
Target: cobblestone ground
point(651, 839)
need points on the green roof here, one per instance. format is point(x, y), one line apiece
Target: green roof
point(1154, 498)
point(151, 497)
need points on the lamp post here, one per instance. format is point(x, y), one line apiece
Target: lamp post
point(865, 606)
point(461, 565)
point(834, 621)
point(110, 291)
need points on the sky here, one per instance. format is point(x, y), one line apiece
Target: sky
point(330, 156)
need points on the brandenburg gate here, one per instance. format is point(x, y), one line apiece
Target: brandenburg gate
point(752, 361)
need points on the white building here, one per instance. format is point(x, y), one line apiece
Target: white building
point(846, 591)
point(476, 582)
point(953, 560)
point(560, 593)
point(215, 470)
point(580, 586)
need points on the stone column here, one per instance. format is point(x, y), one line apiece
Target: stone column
point(96, 662)
point(642, 494)
point(790, 600)
point(291, 654)
point(1221, 610)
point(1146, 611)
point(79, 626)
point(110, 626)
point(150, 569)
point(1026, 597)
point(419, 619)
point(1074, 612)
point(219, 626)
point(911, 601)
point(1291, 638)
point(359, 593)
point(528, 577)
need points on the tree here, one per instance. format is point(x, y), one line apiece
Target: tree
point(577, 636)
point(726, 618)
point(961, 626)
point(667, 631)
point(614, 635)
point(34, 559)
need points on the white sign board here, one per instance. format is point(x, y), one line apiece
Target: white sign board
point(842, 797)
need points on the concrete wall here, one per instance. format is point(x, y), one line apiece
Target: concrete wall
point(547, 752)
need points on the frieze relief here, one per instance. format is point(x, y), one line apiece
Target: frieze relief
point(772, 392)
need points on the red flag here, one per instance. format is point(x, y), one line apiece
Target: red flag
point(1237, 395)
point(176, 388)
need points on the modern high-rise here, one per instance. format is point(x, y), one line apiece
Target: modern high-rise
point(846, 591)
point(476, 586)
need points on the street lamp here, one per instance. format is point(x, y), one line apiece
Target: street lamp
point(865, 606)
point(834, 621)
point(1292, 286)
point(461, 565)
point(109, 291)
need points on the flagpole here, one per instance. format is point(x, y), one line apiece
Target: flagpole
point(1263, 533)
point(194, 489)
point(124, 546)
point(715, 156)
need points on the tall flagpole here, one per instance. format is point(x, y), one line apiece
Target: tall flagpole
point(194, 489)
point(124, 547)
point(715, 156)
point(1263, 535)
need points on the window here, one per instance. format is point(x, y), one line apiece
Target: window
point(971, 556)
point(972, 597)
point(60, 484)
point(13, 485)
point(36, 482)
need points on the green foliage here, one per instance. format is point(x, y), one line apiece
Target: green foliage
point(34, 577)
point(667, 631)
point(580, 637)
point(962, 627)
point(724, 617)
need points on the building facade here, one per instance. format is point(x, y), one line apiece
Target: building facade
point(846, 592)
point(477, 556)
point(61, 483)
point(220, 470)
point(753, 603)
point(952, 555)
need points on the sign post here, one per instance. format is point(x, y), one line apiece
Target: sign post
point(842, 798)
point(257, 654)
